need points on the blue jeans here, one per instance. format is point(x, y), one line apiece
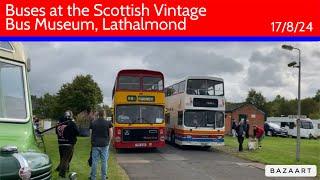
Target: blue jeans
point(103, 154)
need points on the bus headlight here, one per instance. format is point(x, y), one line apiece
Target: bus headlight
point(119, 131)
point(25, 173)
point(117, 139)
point(162, 138)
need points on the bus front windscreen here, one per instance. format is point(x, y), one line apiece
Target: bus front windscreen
point(12, 92)
point(205, 87)
point(199, 118)
point(139, 114)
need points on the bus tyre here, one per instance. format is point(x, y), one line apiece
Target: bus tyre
point(172, 139)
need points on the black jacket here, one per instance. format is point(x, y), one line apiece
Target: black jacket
point(67, 133)
point(241, 130)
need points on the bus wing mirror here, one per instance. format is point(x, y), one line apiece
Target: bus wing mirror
point(28, 64)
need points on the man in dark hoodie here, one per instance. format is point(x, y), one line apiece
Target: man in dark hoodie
point(67, 133)
point(241, 131)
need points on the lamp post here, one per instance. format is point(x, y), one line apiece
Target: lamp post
point(294, 65)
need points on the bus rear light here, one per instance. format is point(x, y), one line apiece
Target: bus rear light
point(117, 139)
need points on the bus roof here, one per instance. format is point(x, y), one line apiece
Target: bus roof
point(196, 77)
point(205, 77)
point(139, 72)
point(16, 53)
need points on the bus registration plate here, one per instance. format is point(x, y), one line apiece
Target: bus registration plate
point(140, 144)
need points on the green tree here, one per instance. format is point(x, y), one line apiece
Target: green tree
point(308, 106)
point(317, 96)
point(82, 94)
point(50, 106)
point(257, 99)
point(108, 110)
point(275, 107)
point(289, 107)
point(45, 106)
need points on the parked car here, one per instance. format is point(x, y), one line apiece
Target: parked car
point(272, 129)
point(290, 124)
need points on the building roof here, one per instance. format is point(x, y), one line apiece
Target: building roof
point(230, 107)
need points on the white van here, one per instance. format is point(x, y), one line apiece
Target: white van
point(307, 127)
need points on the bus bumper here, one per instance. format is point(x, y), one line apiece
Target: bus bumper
point(184, 141)
point(200, 143)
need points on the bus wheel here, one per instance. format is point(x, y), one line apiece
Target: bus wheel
point(172, 139)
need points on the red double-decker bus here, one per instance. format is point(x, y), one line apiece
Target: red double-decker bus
point(138, 109)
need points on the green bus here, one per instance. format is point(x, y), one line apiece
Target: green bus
point(20, 155)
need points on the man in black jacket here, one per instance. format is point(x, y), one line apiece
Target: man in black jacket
point(67, 134)
point(241, 131)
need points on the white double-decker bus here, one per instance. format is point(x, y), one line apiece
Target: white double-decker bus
point(195, 111)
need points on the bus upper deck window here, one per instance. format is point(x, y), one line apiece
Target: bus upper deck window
point(205, 87)
point(181, 86)
point(129, 83)
point(153, 83)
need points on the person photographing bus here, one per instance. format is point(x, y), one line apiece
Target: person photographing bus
point(101, 136)
point(67, 134)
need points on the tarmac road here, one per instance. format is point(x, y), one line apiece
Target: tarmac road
point(174, 163)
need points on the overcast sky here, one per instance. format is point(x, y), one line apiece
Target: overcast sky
point(243, 65)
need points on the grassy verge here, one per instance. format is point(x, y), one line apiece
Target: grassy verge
point(79, 161)
point(277, 150)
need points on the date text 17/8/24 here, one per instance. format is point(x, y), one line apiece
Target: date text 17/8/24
point(291, 27)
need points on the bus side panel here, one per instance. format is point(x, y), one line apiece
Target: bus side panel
point(173, 105)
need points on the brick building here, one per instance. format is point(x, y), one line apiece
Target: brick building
point(245, 111)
